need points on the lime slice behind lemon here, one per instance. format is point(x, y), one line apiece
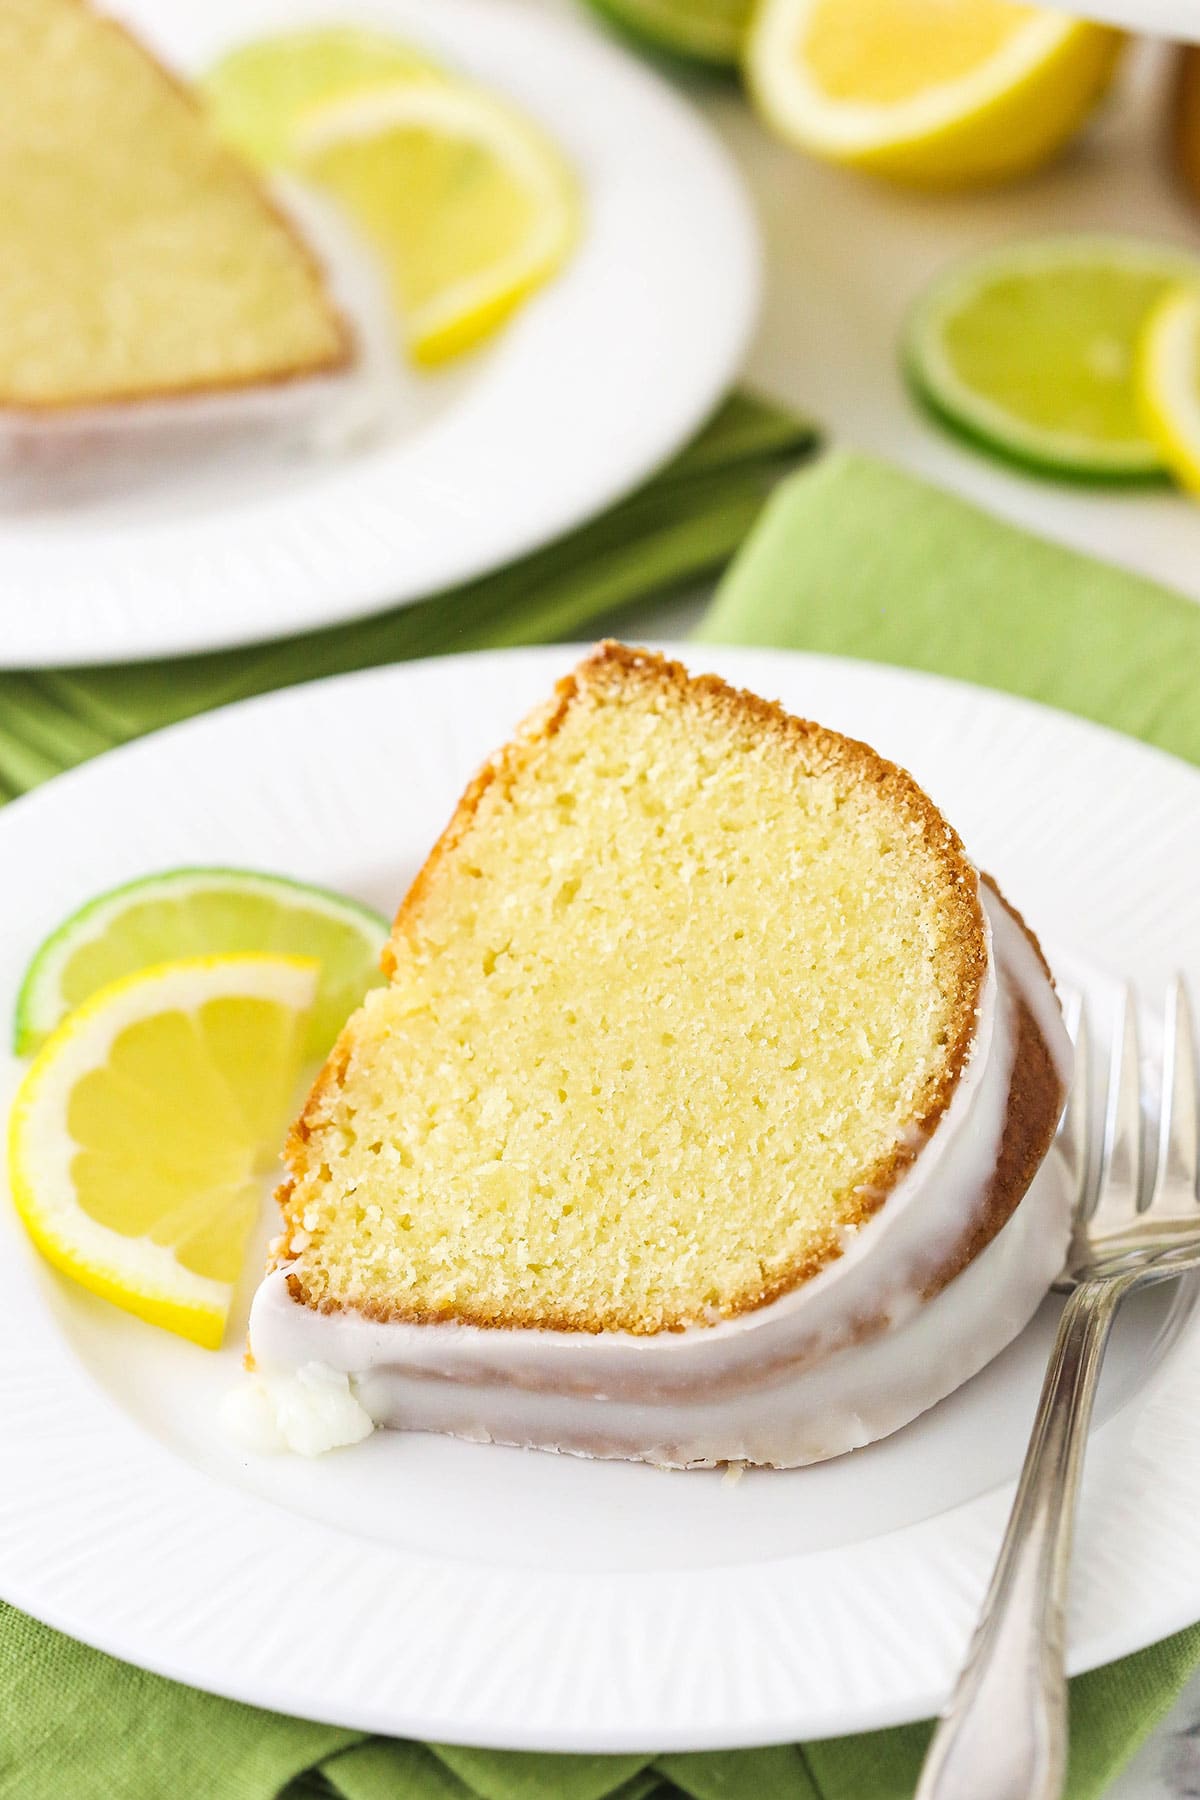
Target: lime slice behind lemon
point(258, 91)
point(141, 1132)
point(1030, 350)
point(186, 912)
point(707, 31)
point(467, 203)
point(1168, 370)
point(935, 94)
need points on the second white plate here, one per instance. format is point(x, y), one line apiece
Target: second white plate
point(421, 1587)
point(596, 381)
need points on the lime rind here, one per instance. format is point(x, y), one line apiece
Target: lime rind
point(41, 1004)
point(988, 425)
point(709, 36)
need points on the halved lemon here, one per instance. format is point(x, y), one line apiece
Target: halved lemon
point(258, 90)
point(941, 95)
point(468, 204)
point(203, 912)
point(1168, 377)
point(140, 1134)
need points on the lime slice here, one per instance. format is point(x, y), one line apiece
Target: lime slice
point(259, 90)
point(203, 912)
point(708, 31)
point(937, 94)
point(140, 1135)
point(468, 204)
point(1168, 373)
point(1030, 350)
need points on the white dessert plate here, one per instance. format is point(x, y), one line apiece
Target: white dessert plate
point(414, 482)
point(417, 1586)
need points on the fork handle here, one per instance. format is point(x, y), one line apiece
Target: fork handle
point(1004, 1734)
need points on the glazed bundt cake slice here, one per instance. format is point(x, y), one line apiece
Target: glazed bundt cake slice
point(685, 1009)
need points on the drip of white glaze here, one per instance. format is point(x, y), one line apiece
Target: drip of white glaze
point(847, 1357)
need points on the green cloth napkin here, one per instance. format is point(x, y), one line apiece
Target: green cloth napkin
point(850, 557)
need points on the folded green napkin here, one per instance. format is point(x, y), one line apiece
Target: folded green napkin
point(849, 557)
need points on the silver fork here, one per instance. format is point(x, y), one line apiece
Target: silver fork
point(1003, 1735)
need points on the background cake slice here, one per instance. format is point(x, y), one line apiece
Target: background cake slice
point(705, 1112)
point(138, 259)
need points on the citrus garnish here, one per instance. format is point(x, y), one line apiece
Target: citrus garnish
point(1031, 349)
point(939, 94)
point(139, 1136)
point(1169, 382)
point(469, 206)
point(709, 31)
point(258, 91)
point(191, 912)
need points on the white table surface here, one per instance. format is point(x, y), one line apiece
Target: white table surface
point(843, 257)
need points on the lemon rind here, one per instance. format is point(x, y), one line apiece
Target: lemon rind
point(1169, 383)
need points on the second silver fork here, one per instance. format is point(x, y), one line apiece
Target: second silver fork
point(1003, 1735)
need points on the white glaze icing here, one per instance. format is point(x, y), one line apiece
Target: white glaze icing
point(845, 1358)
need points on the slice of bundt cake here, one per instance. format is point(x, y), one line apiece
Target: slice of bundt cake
point(138, 258)
point(686, 1011)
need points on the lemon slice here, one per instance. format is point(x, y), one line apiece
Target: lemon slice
point(203, 912)
point(1030, 350)
point(139, 1135)
point(938, 94)
point(257, 92)
point(708, 31)
point(469, 206)
point(1169, 382)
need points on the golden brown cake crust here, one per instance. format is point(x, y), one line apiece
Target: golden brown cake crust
point(339, 357)
point(617, 666)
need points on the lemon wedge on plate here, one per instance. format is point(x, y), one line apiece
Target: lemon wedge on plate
point(139, 1136)
point(1168, 372)
point(467, 203)
point(937, 94)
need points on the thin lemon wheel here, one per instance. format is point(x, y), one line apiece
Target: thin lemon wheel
point(203, 912)
point(934, 94)
point(140, 1135)
point(258, 91)
point(1168, 375)
point(469, 205)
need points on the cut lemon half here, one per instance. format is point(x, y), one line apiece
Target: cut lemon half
point(139, 1136)
point(1169, 382)
point(469, 206)
point(1031, 350)
point(257, 92)
point(707, 31)
point(943, 95)
point(203, 912)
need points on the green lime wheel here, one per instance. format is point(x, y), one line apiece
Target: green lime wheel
point(1031, 351)
point(202, 912)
